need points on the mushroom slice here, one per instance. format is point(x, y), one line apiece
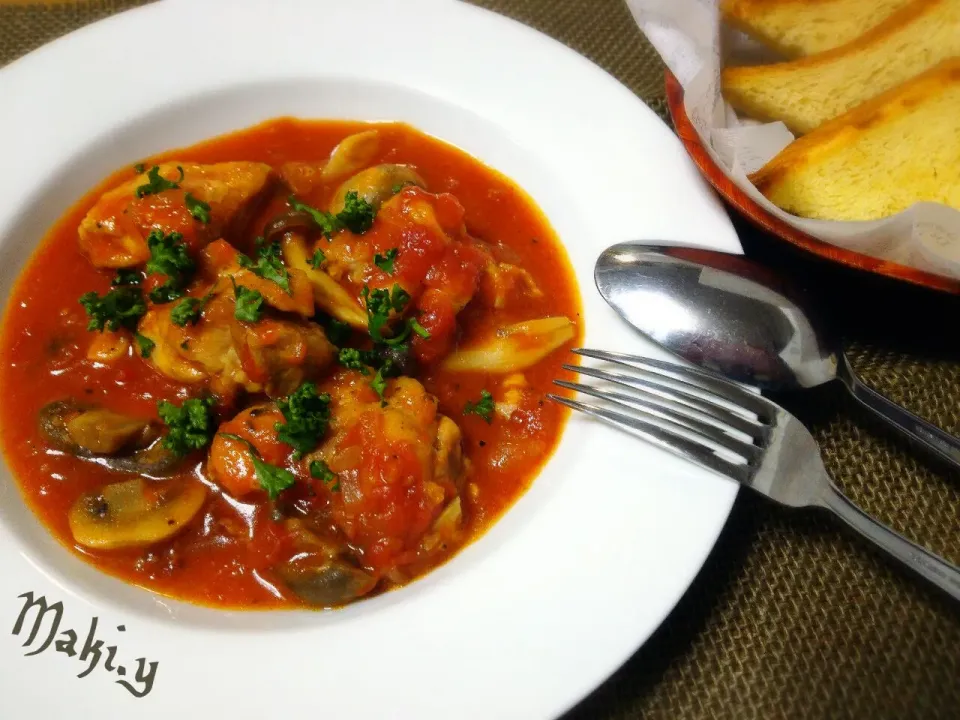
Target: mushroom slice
point(104, 431)
point(376, 184)
point(328, 294)
point(134, 513)
point(513, 348)
point(329, 584)
point(352, 153)
point(115, 441)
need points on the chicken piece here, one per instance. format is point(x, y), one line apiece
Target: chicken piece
point(504, 283)
point(220, 260)
point(108, 346)
point(435, 262)
point(303, 178)
point(113, 233)
point(273, 355)
point(398, 466)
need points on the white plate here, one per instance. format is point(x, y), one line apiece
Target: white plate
point(578, 573)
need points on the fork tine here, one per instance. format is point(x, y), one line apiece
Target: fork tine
point(701, 379)
point(670, 412)
point(653, 384)
point(661, 437)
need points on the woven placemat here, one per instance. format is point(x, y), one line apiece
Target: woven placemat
point(791, 616)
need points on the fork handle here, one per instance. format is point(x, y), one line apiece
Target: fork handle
point(932, 567)
point(943, 445)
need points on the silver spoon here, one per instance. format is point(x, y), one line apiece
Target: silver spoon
point(727, 314)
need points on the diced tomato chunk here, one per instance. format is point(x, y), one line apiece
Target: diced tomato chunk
point(231, 460)
point(439, 318)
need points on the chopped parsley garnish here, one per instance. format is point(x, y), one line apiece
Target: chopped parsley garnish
point(249, 305)
point(379, 382)
point(327, 222)
point(139, 168)
point(364, 360)
point(145, 344)
point(357, 215)
point(338, 332)
point(317, 260)
point(169, 256)
point(379, 385)
point(484, 407)
point(168, 292)
point(274, 480)
point(307, 414)
point(418, 328)
point(198, 208)
point(269, 264)
point(190, 426)
point(354, 359)
point(157, 184)
point(188, 310)
point(321, 471)
point(400, 186)
point(385, 261)
point(125, 276)
point(121, 307)
point(380, 303)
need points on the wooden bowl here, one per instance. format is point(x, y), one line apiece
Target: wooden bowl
point(776, 227)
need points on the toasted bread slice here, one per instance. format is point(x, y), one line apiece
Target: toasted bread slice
point(803, 27)
point(807, 92)
point(880, 158)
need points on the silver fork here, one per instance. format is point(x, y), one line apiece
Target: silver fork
point(737, 433)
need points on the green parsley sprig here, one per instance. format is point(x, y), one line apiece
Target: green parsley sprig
point(274, 480)
point(126, 276)
point(189, 310)
point(385, 261)
point(380, 303)
point(169, 256)
point(198, 209)
point(268, 265)
point(484, 407)
point(157, 183)
point(145, 344)
point(190, 426)
point(357, 215)
point(121, 307)
point(321, 471)
point(249, 304)
point(307, 415)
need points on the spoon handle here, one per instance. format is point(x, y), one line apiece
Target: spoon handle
point(943, 445)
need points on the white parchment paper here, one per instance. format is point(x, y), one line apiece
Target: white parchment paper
point(695, 45)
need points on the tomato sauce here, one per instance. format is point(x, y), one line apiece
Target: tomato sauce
point(223, 557)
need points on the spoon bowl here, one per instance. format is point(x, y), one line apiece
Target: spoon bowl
point(718, 311)
point(727, 314)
